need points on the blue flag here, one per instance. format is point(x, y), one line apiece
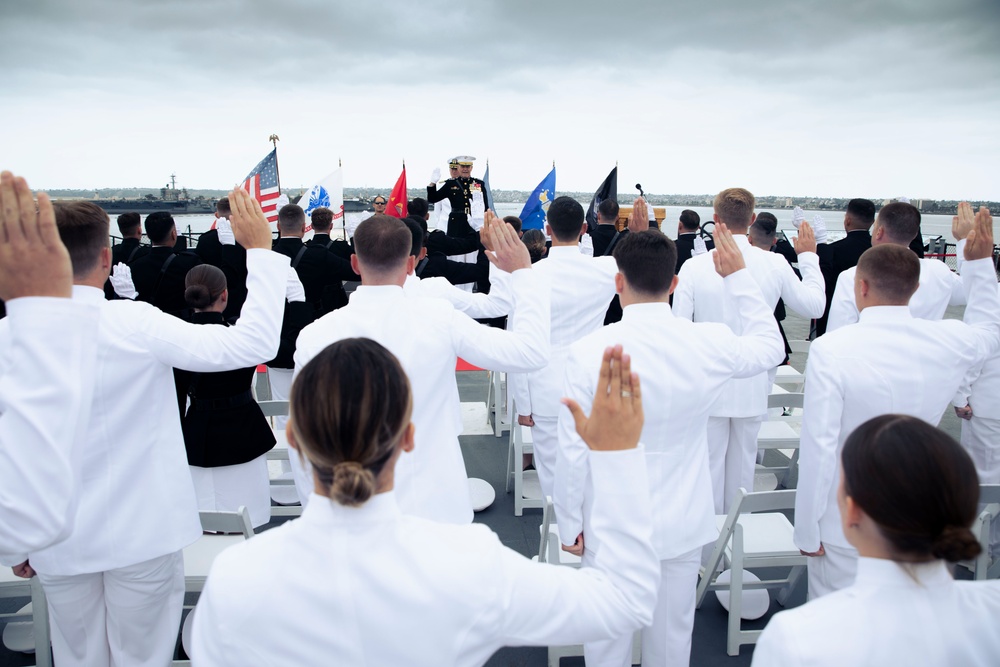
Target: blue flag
point(533, 214)
point(487, 192)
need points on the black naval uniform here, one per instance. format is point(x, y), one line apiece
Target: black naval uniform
point(159, 277)
point(458, 191)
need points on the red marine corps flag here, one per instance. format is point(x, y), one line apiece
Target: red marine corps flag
point(396, 206)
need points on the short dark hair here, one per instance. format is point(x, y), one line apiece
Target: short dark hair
point(158, 226)
point(418, 207)
point(893, 271)
point(565, 216)
point(900, 221)
point(514, 222)
point(690, 220)
point(861, 211)
point(764, 228)
point(222, 207)
point(382, 243)
point(291, 218)
point(322, 219)
point(917, 484)
point(384, 200)
point(83, 227)
point(734, 206)
point(648, 260)
point(127, 222)
point(419, 234)
point(608, 210)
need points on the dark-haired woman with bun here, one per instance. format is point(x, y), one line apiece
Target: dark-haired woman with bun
point(225, 432)
point(908, 496)
point(354, 581)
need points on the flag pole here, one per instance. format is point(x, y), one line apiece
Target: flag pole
point(274, 142)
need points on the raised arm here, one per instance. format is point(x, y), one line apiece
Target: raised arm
point(50, 346)
point(557, 605)
point(807, 297)
point(980, 283)
point(843, 308)
point(256, 336)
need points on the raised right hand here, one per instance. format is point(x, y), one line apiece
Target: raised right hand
point(250, 226)
point(33, 259)
point(616, 418)
point(979, 242)
point(508, 253)
point(806, 240)
point(727, 256)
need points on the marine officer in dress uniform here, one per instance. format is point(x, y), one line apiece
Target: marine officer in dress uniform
point(466, 196)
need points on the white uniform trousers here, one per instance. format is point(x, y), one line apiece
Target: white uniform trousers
point(832, 572)
point(545, 445)
point(226, 488)
point(128, 617)
point(981, 438)
point(732, 457)
point(667, 642)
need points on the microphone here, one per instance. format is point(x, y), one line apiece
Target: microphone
point(639, 188)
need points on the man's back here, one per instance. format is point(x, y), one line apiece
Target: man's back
point(137, 499)
point(320, 271)
point(601, 237)
point(685, 247)
point(159, 277)
point(939, 288)
point(581, 288)
point(427, 336)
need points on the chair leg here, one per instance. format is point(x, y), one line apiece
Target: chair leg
point(793, 579)
point(510, 461)
point(735, 594)
point(710, 569)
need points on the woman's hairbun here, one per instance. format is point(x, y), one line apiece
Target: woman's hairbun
point(352, 484)
point(956, 543)
point(198, 296)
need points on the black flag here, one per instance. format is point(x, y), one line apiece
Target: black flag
point(607, 190)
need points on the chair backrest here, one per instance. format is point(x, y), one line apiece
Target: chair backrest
point(227, 522)
point(989, 493)
point(786, 400)
point(273, 408)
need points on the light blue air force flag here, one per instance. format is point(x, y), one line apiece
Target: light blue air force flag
point(533, 214)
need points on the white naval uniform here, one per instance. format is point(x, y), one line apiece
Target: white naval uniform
point(45, 395)
point(682, 368)
point(981, 434)
point(498, 303)
point(372, 586)
point(889, 362)
point(115, 586)
point(428, 336)
point(894, 614)
point(582, 288)
point(736, 415)
point(939, 288)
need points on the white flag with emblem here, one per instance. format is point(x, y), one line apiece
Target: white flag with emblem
point(329, 193)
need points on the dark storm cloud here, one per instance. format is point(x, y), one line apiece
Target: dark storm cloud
point(868, 47)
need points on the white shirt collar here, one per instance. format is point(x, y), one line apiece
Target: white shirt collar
point(885, 314)
point(642, 311)
point(87, 293)
point(889, 573)
point(323, 511)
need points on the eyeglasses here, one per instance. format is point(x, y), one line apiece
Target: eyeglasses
point(380, 203)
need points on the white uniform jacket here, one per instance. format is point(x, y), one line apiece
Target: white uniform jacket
point(136, 497)
point(894, 614)
point(889, 362)
point(582, 288)
point(370, 586)
point(427, 336)
point(981, 389)
point(45, 395)
point(699, 297)
point(939, 288)
point(498, 303)
point(682, 367)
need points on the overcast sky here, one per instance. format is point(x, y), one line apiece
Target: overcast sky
point(846, 98)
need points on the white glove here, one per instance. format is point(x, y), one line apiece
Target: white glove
point(798, 215)
point(819, 229)
point(294, 291)
point(436, 175)
point(699, 246)
point(121, 280)
point(225, 230)
point(903, 200)
point(282, 200)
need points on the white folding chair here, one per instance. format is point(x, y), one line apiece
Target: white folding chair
point(778, 433)
point(788, 376)
point(526, 488)
point(281, 483)
point(753, 535)
point(496, 403)
point(32, 619)
point(223, 530)
point(550, 551)
point(984, 567)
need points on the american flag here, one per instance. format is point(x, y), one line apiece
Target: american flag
point(262, 183)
